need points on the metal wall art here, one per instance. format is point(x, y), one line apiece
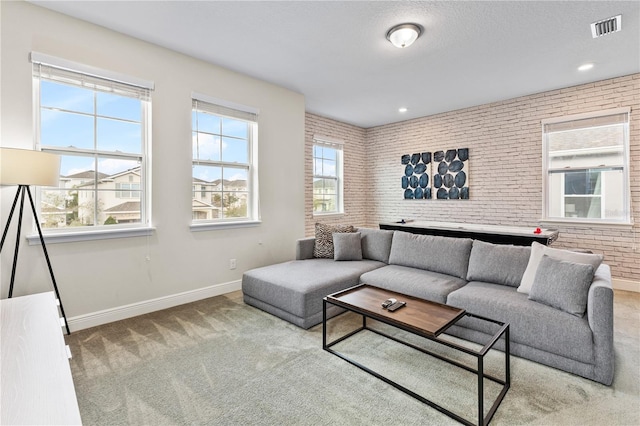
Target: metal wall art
point(443, 175)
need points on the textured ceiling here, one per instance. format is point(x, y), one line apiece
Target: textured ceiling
point(335, 52)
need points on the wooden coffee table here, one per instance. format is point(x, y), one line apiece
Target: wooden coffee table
point(423, 318)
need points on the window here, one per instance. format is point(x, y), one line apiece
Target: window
point(99, 127)
point(327, 176)
point(127, 190)
point(224, 162)
point(586, 161)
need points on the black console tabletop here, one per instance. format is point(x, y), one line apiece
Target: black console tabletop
point(516, 235)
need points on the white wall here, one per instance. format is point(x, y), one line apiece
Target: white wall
point(104, 275)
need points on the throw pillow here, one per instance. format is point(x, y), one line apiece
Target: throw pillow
point(347, 246)
point(445, 255)
point(538, 250)
point(562, 285)
point(323, 247)
point(376, 244)
point(498, 263)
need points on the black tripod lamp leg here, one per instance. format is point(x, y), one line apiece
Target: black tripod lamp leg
point(46, 255)
point(15, 253)
point(13, 207)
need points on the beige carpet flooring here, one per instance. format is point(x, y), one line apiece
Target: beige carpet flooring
point(221, 362)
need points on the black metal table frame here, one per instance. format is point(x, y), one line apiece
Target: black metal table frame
point(479, 355)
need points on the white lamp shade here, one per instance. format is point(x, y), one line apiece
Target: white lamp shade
point(404, 35)
point(26, 167)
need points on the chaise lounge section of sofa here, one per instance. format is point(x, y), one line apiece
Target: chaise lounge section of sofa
point(567, 325)
point(294, 290)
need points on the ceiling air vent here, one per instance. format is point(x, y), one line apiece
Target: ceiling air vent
point(606, 26)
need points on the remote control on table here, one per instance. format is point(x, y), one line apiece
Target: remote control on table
point(388, 302)
point(396, 306)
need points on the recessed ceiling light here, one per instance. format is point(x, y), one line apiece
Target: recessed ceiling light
point(403, 109)
point(585, 67)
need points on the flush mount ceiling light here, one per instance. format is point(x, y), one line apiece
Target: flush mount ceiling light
point(404, 35)
point(585, 67)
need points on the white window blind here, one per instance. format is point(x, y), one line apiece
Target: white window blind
point(224, 108)
point(328, 142)
point(64, 71)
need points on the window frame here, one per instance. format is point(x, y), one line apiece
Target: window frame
point(226, 109)
point(338, 145)
point(547, 171)
point(57, 70)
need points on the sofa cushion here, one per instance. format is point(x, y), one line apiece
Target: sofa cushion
point(323, 247)
point(538, 250)
point(376, 244)
point(499, 264)
point(298, 286)
point(437, 254)
point(562, 285)
point(414, 282)
point(347, 246)
point(532, 324)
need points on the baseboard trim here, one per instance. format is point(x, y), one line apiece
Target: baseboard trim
point(106, 316)
point(626, 285)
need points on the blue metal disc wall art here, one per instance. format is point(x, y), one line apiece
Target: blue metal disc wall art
point(417, 169)
point(450, 178)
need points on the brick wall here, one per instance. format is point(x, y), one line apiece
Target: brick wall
point(505, 167)
point(505, 144)
point(355, 186)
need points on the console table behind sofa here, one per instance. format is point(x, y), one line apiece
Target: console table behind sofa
point(516, 235)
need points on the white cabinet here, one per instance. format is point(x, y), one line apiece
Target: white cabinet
point(36, 386)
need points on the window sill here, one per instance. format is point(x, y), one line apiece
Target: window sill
point(329, 215)
point(212, 226)
point(103, 234)
point(586, 224)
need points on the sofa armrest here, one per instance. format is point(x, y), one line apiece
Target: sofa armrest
point(304, 248)
point(600, 317)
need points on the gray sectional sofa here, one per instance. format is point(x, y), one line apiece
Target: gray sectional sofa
point(559, 304)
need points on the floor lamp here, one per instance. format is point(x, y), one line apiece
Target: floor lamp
point(25, 168)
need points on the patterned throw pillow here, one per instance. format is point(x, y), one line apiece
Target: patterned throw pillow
point(323, 247)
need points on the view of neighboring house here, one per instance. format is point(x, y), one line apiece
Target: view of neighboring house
point(325, 195)
point(219, 198)
point(59, 208)
point(112, 199)
point(88, 197)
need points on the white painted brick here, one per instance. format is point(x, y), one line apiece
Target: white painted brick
point(504, 190)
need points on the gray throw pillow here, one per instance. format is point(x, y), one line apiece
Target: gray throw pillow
point(376, 244)
point(445, 255)
point(498, 264)
point(538, 250)
point(347, 246)
point(323, 247)
point(562, 285)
